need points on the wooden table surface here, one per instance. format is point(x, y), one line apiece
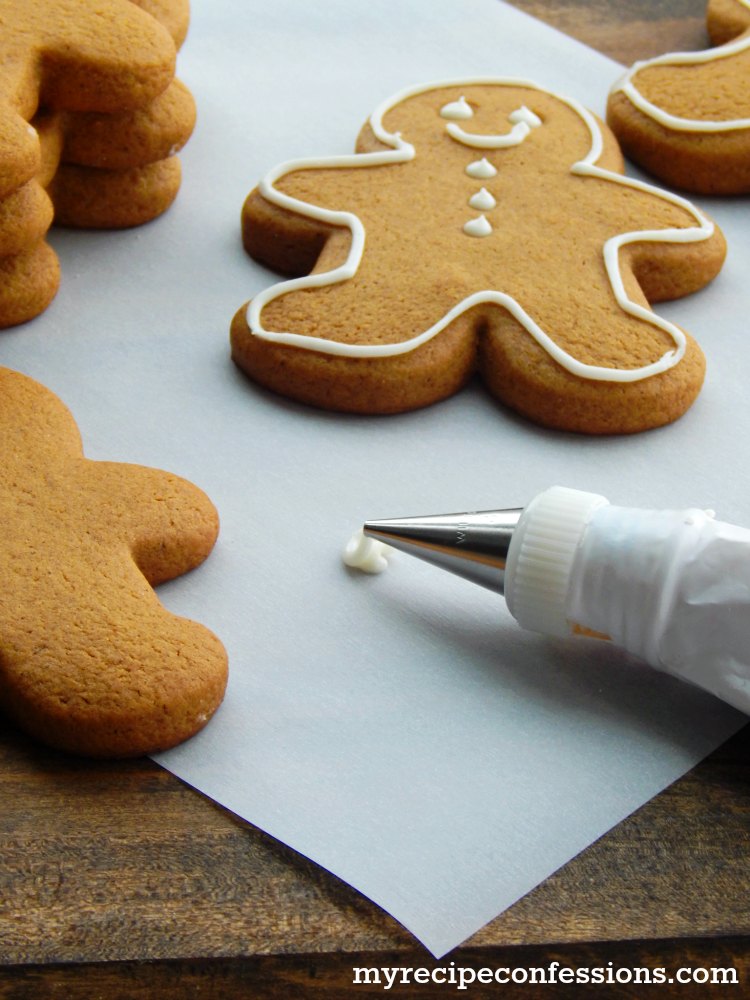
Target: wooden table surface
point(118, 881)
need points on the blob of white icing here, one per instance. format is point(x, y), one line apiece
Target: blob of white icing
point(483, 201)
point(481, 169)
point(366, 554)
point(478, 227)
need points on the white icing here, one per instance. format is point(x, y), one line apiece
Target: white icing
point(457, 110)
point(627, 85)
point(523, 114)
point(481, 169)
point(366, 554)
point(482, 200)
point(400, 151)
point(478, 227)
point(523, 121)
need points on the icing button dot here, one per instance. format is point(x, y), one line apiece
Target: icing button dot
point(481, 168)
point(482, 200)
point(478, 227)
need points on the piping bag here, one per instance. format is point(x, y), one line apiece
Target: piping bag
point(671, 587)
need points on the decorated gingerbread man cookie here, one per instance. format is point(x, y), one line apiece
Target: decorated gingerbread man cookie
point(90, 660)
point(685, 116)
point(482, 226)
point(90, 119)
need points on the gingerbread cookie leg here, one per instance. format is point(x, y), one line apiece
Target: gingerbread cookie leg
point(90, 661)
point(685, 117)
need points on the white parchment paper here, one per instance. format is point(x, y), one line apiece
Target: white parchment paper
point(400, 730)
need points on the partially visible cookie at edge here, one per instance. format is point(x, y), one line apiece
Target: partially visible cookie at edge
point(91, 662)
point(685, 117)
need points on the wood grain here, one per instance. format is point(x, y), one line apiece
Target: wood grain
point(629, 30)
point(118, 881)
point(120, 864)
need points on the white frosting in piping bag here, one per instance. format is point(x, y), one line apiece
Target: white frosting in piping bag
point(400, 151)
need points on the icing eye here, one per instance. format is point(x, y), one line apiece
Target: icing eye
point(457, 110)
point(523, 114)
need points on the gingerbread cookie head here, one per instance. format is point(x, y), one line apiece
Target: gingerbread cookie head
point(482, 226)
point(685, 116)
point(488, 118)
point(90, 660)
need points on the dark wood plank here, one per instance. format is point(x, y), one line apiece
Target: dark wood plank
point(628, 30)
point(335, 977)
point(121, 861)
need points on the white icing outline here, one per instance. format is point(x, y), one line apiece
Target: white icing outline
point(677, 124)
point(401, 152)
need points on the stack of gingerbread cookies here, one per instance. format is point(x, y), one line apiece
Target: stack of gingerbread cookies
point(91, 116)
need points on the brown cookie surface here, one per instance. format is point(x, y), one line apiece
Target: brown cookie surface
point(481, 226)
point(90, 660)
point(685, 117)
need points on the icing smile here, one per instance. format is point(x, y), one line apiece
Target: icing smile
point(522, 122)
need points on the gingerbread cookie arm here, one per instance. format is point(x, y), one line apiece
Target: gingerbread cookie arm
point(282, 240)
point(169, 525)
point(131, 138)
point(298, 207)
point(107, 57)
point(114, 199)
point(173, 14)
point(669, 245)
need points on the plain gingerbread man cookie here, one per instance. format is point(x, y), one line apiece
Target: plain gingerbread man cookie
point(90, 119)
point(90, 660)
point(685, 117)
point(482, 226)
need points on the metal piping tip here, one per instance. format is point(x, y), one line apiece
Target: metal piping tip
point(473, 545)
